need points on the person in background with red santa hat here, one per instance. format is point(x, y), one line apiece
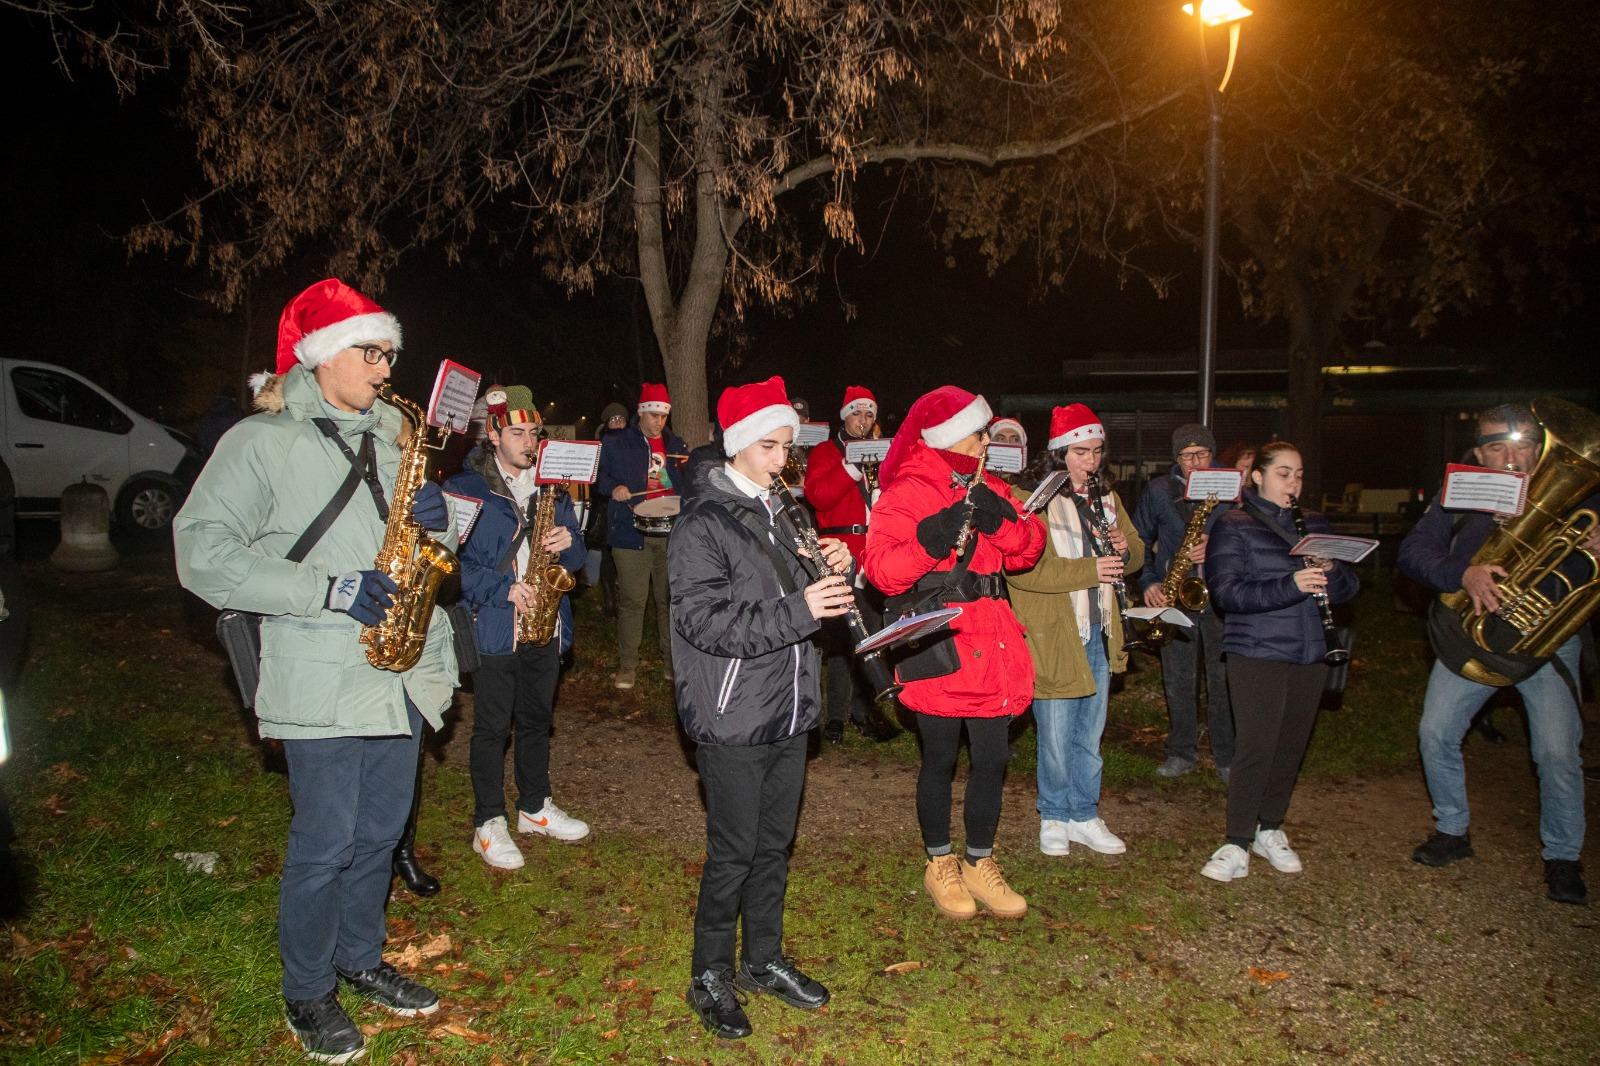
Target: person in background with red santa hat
point(1069, 607)
point(247, 539)
point(842, 494)
point(744, 611)
point(931, 497)
point(642, 462)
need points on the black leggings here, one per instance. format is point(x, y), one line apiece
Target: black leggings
point(990, 745)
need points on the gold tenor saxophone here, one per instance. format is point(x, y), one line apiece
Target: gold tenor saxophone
point(1181, 587)
point(548, 579)
point(414, 561)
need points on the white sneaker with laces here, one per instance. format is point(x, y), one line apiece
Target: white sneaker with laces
point(1053, 837)
point(1228, 863)
point(492, 841)
point(553, 822)
point(1273, 845)
point(1094, 835)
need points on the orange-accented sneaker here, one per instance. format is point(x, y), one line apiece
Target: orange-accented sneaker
point(988, 887)
point(942, 879)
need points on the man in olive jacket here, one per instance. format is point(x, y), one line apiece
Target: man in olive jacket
point(350, 731)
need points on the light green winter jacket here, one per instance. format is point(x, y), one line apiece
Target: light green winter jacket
point(269, 478)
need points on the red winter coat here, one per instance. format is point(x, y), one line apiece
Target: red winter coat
point(996, 674)
point(834, 495)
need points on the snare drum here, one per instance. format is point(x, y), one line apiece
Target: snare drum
point(654, 517)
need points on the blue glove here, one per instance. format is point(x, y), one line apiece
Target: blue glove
point(429, 510)
point(365, 595)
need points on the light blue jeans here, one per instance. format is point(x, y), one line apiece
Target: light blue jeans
point(1555, 727)
point(1069, 745)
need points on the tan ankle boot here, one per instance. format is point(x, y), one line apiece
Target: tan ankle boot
point(942, 879)
point(988, 886)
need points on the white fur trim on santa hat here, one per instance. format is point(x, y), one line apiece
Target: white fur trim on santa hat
point(320, 345)
point(756, 425)
point(964, 423)
point(1089, 431)
point(655, 407)
point(862, 404)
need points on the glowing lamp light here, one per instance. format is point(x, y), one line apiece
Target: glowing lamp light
point(1219, 12)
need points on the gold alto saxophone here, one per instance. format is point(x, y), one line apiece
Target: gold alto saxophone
point(548, 579)
point(1181, 587)
point(414, 561)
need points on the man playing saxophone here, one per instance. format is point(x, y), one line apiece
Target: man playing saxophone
point(1438, 553)
point(1162, 519)
point(515, 684)
point(286, 521)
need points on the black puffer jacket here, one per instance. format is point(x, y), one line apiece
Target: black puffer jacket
point(741, 648)
point(1251, 577)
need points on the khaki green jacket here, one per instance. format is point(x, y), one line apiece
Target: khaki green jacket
point(266, 482)
point(1042, 600)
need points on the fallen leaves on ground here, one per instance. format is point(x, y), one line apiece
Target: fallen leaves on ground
point(413, 955)
point(903, 967)
point(1267, 977)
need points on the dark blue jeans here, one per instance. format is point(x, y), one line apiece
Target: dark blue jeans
point(351, 797)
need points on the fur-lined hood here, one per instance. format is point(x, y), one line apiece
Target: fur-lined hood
point(296, 393)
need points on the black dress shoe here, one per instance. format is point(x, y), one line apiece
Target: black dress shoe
point(713, 998)
point(1563, 880)
point(875, 729)
point(417, 880)
point(324, 1030)
point(782, 978)
point(1442, 849)
point(393, 991)
point(833, 732)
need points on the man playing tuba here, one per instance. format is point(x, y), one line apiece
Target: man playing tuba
point(1438, 553)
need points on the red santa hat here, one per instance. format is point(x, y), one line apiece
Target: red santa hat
point(858, 398)
point(747, 413)
point(324, 320)
point(938, 419)
point(1009, 423)
point(1074, 423)
point(653, 399)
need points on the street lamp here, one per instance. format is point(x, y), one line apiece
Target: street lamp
point(1229, 13)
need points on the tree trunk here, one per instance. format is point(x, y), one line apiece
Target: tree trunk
point(1313, 338)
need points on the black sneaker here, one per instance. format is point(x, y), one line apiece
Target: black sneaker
point(714, 999)
point(392, 991)
point(1563, 880)
point(833, 732)
point(782, 978)
point(324, 1030)
point(1442, 849)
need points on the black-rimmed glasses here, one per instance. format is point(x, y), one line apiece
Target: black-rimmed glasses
point(376, 353)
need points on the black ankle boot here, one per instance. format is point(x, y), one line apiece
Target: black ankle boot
point(417, 880)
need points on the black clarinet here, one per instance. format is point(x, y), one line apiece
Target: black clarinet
point(1336, 656)
point(877, 672)
point(1101, 528)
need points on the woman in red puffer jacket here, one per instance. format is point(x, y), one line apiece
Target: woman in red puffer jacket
point(928, 496)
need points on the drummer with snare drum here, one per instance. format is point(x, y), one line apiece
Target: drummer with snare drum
point(642, 467)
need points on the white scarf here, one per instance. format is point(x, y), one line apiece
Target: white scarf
point(1071, 541)
point(522, 486)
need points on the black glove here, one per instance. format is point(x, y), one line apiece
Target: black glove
point(429, 509)
point(937, 533)
point(365, 595)
point(989, 510)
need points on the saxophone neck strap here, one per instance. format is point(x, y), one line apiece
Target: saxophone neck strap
point(508, 560)
point(364, 465)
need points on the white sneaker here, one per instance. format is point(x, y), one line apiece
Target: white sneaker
point(492, 841)
point(1273, 845)
point(1053, 837)
point(553, 822)
point(1094, 835)
point(1228, 863)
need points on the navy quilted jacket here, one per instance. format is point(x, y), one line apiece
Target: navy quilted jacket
point(1251, 577)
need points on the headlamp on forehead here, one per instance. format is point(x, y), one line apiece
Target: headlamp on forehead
point(1511, 433)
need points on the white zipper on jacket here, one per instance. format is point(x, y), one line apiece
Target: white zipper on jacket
point(794, 711)
point(725, 693)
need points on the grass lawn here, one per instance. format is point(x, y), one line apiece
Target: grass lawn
point(131, 749)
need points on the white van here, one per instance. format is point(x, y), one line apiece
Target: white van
point(59, 428)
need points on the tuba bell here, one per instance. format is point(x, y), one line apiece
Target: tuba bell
point(1541, 604)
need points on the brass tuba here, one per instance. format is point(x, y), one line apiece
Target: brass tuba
point(414, 561)
point(1540, 606)
point(548, 579)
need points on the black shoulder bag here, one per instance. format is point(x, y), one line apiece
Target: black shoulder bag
point(239, 632)
point(463, 619)
point(934, 655)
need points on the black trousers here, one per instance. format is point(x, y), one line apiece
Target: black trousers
point(849, 694)
point(752, 802)
point(1274, 708)
point(989, 741)
point(517, 689)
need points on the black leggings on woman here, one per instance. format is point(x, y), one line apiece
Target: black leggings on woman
point(990, 745)
point(1274, 708)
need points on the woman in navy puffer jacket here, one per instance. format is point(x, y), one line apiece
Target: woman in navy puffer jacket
point(1274, 646)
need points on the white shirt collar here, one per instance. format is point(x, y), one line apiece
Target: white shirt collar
point(744, 484)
